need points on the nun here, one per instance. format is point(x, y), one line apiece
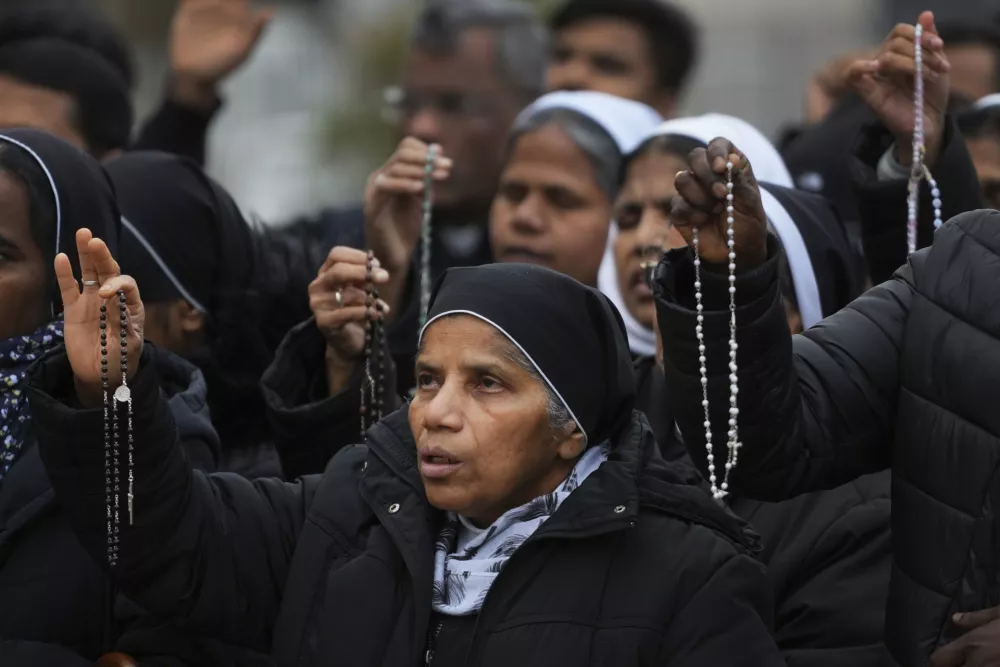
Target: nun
point(207, 287)
point(58, 604)
point(828, 553)
point(553, 208)
point(514, 512)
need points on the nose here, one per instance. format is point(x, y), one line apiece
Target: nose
point(424, 124)
point(570, 75)
point(528, 217)
point(655, 230)
point(443, 411)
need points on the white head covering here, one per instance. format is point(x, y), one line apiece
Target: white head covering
point(628, 122)
point(768, 167)
point(988, 102)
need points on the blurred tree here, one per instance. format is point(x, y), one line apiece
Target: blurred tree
point(359, 126)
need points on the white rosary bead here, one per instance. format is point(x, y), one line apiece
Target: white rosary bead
point(719, 492)
point(919, 171)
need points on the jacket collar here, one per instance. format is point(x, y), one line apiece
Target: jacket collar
point(634, 477)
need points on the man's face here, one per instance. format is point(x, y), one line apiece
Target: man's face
point(459, 101)
point(25, 105)
point(608, 55)
point(973, 70)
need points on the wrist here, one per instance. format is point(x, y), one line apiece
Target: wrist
point(89, 396)
point(338, 370)
point(193, 92)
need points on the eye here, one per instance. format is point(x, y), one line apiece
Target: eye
point(610, 65)
point(425, 381)
point(513, 192)
point(490, 385)
point(564, 199)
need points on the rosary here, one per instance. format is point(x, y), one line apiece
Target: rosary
point(372, 386)
point(425, 236)
point(919, 171)
point(112, 455)
point(733, 443)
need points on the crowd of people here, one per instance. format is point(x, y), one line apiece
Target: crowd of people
point(476, 419)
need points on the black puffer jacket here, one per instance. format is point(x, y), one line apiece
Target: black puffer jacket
point(638, 567)
point(902, 377)
point(54, 599)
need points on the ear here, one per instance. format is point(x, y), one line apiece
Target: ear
point(191, 319)
point(572, 445)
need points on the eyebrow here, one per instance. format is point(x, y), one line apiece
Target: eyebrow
point(478, 367)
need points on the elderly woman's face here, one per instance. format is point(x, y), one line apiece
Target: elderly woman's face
point(24, 305)
point(642, 212)
point(481, 424)
point(549, 209)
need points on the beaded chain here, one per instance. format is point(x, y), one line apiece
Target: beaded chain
point(425, 236)
point(919, 171)
point(372, 387)
point(733, 443)
point(112, 453)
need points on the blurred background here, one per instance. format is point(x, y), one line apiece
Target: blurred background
point(302, 127)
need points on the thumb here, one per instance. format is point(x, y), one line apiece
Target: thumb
point(927, 21)
point(974, 619)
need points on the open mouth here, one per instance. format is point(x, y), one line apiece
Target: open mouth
point(440, 460)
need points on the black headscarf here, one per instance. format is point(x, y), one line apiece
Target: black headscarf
point(571, 333)
point(99, 88)
point(84, 196)
point(183, 237)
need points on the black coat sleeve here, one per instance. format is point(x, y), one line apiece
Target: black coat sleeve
point(882, 203)
point(178, 129)
point(213, 551)
point(829, 556)
point(727, 622)
point(816, 411)
point(308, 424)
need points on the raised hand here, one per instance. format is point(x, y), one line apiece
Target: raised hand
point(886, 85)
point(393, 198)
point(337, 299)
point(102, 280)
point(209, 39)
point(701, 202)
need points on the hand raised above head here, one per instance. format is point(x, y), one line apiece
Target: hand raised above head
point(701, 202)
point(886, 84)
point(393, 197)
point(101, 284)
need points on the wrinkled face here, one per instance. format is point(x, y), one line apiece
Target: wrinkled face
point(973, 70)
point(642, 212)
point(985, 153)
point(458, 100)
point(24, 274)
point(24, 105)
point(607, 55)
point(549, 209)
point(481, 424)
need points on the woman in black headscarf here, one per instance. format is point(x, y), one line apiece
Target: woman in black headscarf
point(514, 513)
point(187, 244)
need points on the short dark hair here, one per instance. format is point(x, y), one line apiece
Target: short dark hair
point(964, 33)
point(522, 41)
point(670, 32)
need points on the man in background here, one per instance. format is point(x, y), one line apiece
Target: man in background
point(644, 50)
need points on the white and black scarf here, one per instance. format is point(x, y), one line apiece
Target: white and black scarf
point(467, 559)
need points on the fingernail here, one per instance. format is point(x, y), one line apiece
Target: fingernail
point(937, 42)
point(381, 274)
point(957, 617)
point(440, 175)
point(444, 162)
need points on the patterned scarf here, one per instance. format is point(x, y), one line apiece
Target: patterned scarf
point(16, 355)
point(467, 559)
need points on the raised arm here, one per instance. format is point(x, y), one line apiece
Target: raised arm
point(813, 414)
point(212, 550)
